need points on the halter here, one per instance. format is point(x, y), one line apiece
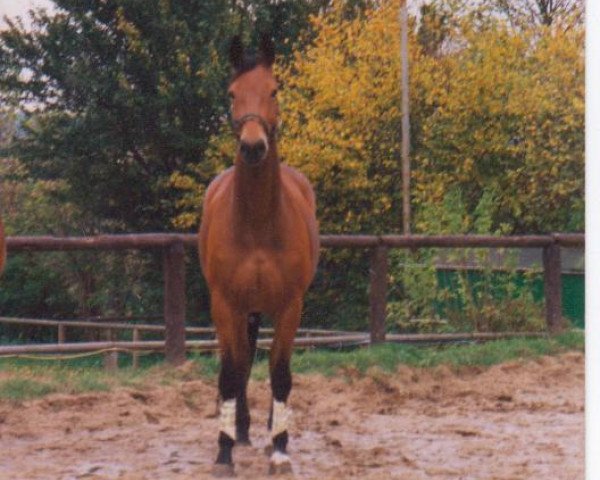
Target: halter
point(238, 124)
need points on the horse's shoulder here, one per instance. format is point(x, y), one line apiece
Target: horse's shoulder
point(216, 186)
point(299, 180)
point(300, 183)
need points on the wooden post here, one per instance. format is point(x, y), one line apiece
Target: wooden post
point(174, 303)
point(61, 333)
point(405, 120)
point(552, 287)
point(378, 273)
point(135, 356)
point(111, 359)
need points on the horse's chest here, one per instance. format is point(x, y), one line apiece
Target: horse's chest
point(259, 278)
point(256, 271)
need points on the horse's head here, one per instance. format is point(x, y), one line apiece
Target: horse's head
point(253, 93)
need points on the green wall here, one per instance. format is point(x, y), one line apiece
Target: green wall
point(573, 298)
point(573, 291)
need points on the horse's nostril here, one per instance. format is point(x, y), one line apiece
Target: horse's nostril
point(260, 148)
point(253, 152)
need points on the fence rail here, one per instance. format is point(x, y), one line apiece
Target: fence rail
point(142, 327)
point(173, 249)
point(265, 343)
point(144, 241)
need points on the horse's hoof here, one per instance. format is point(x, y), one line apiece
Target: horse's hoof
point(280, 464)
point(223, 470)
point(243, 442)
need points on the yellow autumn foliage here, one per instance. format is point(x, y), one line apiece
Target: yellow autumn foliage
point(495, 110)
point(510, 119)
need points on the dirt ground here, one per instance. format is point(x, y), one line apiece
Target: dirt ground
point(519, 420)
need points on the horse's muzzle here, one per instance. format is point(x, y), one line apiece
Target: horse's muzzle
point(253, 153)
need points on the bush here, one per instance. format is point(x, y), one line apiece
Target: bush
point(473, 296)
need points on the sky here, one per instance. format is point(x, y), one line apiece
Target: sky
point(12, 8)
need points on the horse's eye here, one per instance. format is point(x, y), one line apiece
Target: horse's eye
point(231, 95)
point(274, 93)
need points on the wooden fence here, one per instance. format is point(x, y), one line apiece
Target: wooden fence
point(173, 249)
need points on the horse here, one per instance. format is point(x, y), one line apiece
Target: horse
point(2, 247)
point(258, 248)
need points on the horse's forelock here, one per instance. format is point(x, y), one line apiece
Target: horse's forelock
point(248, 62)
point(243, 61)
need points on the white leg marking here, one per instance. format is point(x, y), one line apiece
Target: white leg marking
point(227, 418)
point(279, 458)
point(281, 417)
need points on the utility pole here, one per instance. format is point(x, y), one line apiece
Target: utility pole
point(405, 119)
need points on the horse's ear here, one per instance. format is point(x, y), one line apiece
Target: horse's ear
point(236, 52)
point(266, 49)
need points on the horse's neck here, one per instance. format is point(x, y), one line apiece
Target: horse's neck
point(257, 192)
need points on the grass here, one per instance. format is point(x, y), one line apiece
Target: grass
point(18, 389)
point(389, 356)
point(26, 379)
point(23, 379)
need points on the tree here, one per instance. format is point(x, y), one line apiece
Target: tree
point(113, 97)
point(508, 115)
point(119, 94)
point(497, 109)
point(560, 13)
point(492, 108)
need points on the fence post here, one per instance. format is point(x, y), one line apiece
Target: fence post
point(378, 274)
point(552, 287)
point(61, 333)
point(111, 359)
point(174, 303)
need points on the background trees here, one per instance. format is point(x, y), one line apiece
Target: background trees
point(494, 109)
point(119, 116)
point(117, 95)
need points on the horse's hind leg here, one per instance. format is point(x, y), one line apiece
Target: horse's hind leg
point(233, 341)
point(281, 385)
point(242, 421)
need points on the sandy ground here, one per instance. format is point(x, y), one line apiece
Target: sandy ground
point(520, 420)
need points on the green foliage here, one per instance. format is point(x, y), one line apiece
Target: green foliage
point(118, 95)
point(338, 297)
point(19, 389)
point(475, 294)
point(42, 293)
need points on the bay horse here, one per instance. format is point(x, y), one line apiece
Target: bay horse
point(259, 246)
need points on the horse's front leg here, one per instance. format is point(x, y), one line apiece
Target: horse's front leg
point(233, 341)
point(281, 384)
point(242, 420)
